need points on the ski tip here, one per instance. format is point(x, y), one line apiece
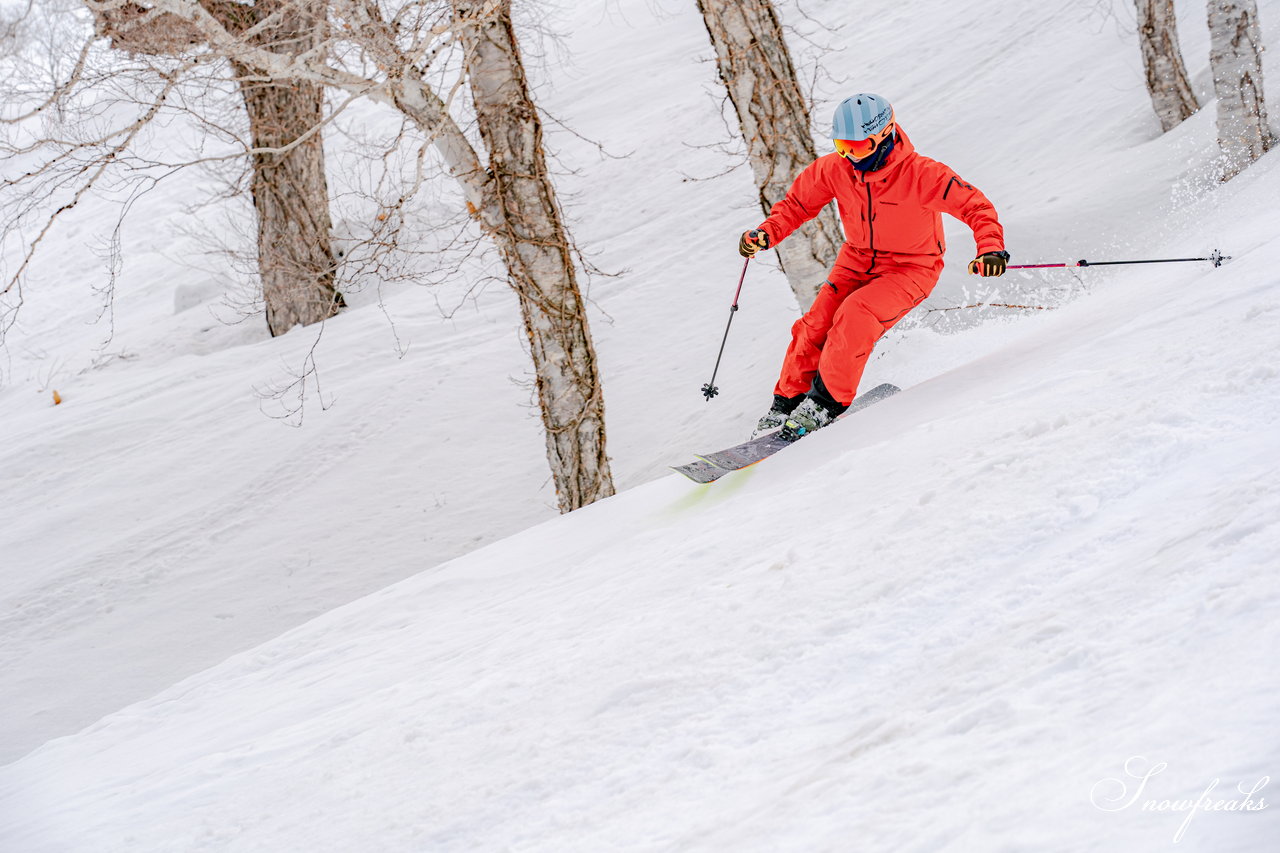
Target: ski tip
point(702, 473)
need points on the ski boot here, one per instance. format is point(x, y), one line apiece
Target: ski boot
point(810, 415)
point(777, 414)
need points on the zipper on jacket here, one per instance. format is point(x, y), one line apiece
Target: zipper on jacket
point(871, 227)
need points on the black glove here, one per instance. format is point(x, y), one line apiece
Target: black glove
point(992, 263)
point(752, 241)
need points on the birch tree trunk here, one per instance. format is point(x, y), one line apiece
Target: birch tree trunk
point(756, 68)
point(290, 191)
point(1167, 83)
point(524, 219)
point(1235, 57)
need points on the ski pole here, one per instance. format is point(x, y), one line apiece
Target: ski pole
point(1216, 258)
point(710, 390)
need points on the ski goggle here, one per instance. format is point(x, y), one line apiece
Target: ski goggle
point(858, 149)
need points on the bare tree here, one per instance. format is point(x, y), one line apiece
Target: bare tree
point(1235, 57)
point(290, 192)
point(756, 68)
point(396, 54)
point(1171, 94)
point(59, 142)
point(536, 250)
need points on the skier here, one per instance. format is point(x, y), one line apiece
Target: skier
point(890, 199)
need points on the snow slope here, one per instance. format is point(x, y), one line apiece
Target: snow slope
point(935, 626)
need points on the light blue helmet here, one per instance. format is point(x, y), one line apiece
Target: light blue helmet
point(863, 116)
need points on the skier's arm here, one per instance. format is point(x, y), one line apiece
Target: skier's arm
point(950, 194)
point(809, 193)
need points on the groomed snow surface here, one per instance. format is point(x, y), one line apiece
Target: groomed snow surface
point(973, 617)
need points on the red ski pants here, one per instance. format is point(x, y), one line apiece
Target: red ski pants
point(852, 311)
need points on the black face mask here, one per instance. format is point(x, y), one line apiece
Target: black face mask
point(878, 157)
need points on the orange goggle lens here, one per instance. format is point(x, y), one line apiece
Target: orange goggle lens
point(860, 148)
point(857, 149)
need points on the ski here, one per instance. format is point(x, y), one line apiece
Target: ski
point(700, 471)
point(710, 467)
point(747, 453)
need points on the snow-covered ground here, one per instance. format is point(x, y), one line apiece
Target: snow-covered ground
point(944, 623)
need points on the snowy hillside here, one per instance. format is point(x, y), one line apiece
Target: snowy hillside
point(943, 624)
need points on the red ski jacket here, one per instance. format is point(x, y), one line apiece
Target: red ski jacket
point(894, 210)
